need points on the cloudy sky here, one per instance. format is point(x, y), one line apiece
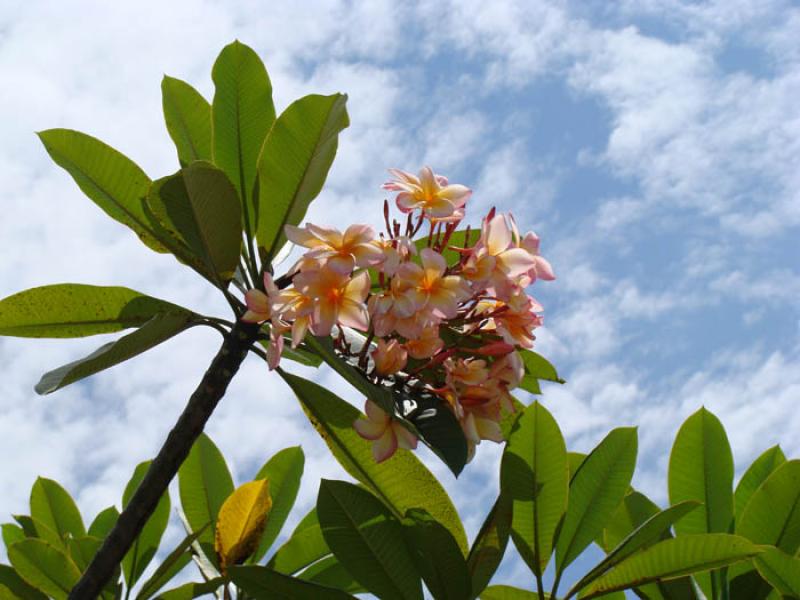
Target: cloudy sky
point(653, 145)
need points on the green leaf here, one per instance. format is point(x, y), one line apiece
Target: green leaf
point(701, 468)
point(283, 471)
point(535, 476)
point(773, 514)
point(683, 555)
point(44, 567)
point(200, 217)
point(367, 540)
point(507, 592)
point(187, 591)
point(755, 475)
point(781, 570)
point(305, 546)
point(17, 587)
point(402, 482)
point(299, 355)
point(635, 509)
point(12, 533)
point(113, 181)
point(294, 163)
point(457, 239)
point(490, 545)
point(146, 544)
point(422, 413)
point(331, 573)
point(595, 491)
point(188, 118)
point(242, 114)
point(104, 522)
point(156, 331)
point(169, 567)
point(204, 482)
point(644, 536)
point(82, 550)
point(28, 526)
point(575, 460)
point(261, 582)
point(539, 367)
point(70, 310)
point(437, 557)
point(53, 507)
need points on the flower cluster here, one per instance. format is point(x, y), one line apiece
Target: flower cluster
point(446, 311)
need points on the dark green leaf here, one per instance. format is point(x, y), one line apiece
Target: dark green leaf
point(27, 524)
point(781, 570)
point(305, 546)
point(82, 550)
point(187, 591)
point(283, 471)
point(70, 310)
point(16, 586)
point(169, 567)
point(242, 114)
point(53, 507)
point(44, 567)
point(507, 592)
point(113, 181)
point(490, 545)
point(188, 118)
point(261, 582)
point(294, 163)
point(159, 329)
point(755, 475)
point(299, 355)
point(331, 573)
point(104, 522)
point(367, 540)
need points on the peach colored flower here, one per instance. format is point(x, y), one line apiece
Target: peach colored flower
point(394, 252)
point(259, 307)
point(429, 192)
point(296, 308)
point(390, 357)
point(340, 252)
point(385, 433)
point(425, 344)
point(541, 268)
point(427, 286)
point(337, 299)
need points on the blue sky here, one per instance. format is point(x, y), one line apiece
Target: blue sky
point(653, 145)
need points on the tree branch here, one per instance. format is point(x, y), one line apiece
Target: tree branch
point(164, 467)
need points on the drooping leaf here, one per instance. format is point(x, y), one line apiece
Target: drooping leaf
point(16, 588)
point(187, 591)
point(535, 476)
point(402, 482)
point(70, 310)
point(240, 523)
point(146, 544)
point(188, 118)
point(242, 114)
point(45, 567)
point(199, 216)
point(595, 491)
point(305, 546)
point(701, 469)
point(781, 570)
point(366, 538)
point(204, 482)
point(113, 181)
point(507, 592)
point(682, 555)
point(762, 467)
point(53, 507)
point(156, 331)
point(283, 471)
point(437, 557)
point(261, 582)
point(294, 162)
point(329, 572)
point(489, 546)
point(173, 564)
point(104, 522)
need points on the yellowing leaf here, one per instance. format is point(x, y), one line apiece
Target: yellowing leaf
point(241, 522)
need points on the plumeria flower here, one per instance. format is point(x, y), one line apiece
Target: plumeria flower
point(338, 299)
point(297, 308)
point(429, 192)
point(259, 307)
point(426, 344)
point(386, 434)
point(340, 252)
point(394, 251)
point(390, 357)
point(429, 288)
point(541, 268)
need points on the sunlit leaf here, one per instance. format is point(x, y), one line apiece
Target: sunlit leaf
point(53, 507)
point(331, 573)
point(507, 592)
point(781, 570)
point(187, 591)
point(538, 367)
point(261, 582)
point(12, 533)
point(305, 546)
point(755, 475)
point(45, 567)
point(188, 118)
point(104, 522)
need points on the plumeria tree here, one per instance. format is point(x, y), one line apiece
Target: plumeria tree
point(430, 319)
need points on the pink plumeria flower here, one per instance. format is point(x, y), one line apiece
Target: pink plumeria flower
point(541, 267)
point(341, 252)
point(390, 357)
point(426, 344)
point(427, 287)
point(259, 310)
point(386, 434)
point(429, 192)
point(297, 308)
point(338, 299)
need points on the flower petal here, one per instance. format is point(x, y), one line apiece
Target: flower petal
point(497, 235)
point(384, 447)
point(353, 314)
point(405, 439)
point(369, 430)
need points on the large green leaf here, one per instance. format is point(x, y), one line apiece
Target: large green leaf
point(199, 216)
point(781, 570)
point(701, 468)
point(53, 507)
point(368, 540)
point(17, 587)
point(188, 118)
point(261, 582)
point(535, 476)
point(538, 367)
point(156, 331)
point(204, 482)
point(70, 310)
point(294, 163)
point(420, 412)
point(644, 536)
point(113, 181)
point(104, 522)
point(46, 568)
point(82, 550)
point(755, 475)
point(595, 491)
point(489, 546)
point(146, 543)
point(305, 546)
point(331, 573)
point(12, 533)
point(683, 555)
point(283, 471)
point(773, 514)
point(402, 482)
point(437, 557)
point(242, 114)
point(173, 564)
point(507, 592)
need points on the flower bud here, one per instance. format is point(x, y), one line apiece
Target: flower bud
point(390, 357)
